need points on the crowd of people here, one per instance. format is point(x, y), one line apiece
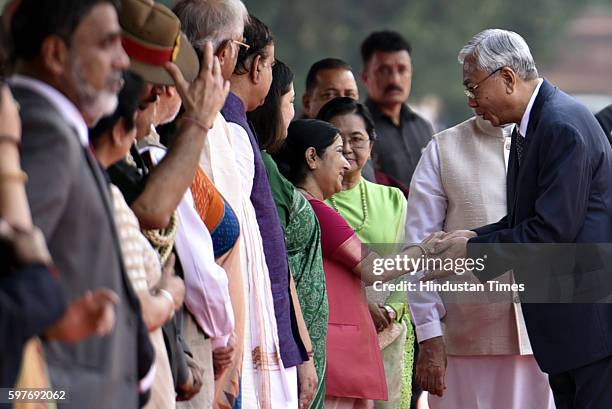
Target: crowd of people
point(173, 237)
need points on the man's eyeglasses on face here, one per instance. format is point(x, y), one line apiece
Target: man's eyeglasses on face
point(471, 92)
point(241, 44)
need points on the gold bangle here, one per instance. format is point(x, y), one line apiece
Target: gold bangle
point(18, 176)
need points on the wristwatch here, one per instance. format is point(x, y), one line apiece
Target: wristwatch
point(391, 312)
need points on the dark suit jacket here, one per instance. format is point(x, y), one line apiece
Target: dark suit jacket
point(562, 193)
point(605, 120)
point(70, 204)
point(30, 301)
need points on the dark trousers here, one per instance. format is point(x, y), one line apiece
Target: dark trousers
point(587, 387)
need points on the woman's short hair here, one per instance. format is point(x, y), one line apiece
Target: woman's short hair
point(344, 106)
point(267, 119)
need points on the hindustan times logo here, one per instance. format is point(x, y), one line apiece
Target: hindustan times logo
point(458, 266)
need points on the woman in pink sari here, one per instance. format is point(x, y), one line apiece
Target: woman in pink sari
point(313, 160)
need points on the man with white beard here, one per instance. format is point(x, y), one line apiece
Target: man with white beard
point(68, 64)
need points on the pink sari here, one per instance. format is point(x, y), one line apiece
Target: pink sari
point(354, 363)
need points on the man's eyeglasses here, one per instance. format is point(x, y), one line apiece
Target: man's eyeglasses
point(200, 52)
point(241, 44)
point(471, 93)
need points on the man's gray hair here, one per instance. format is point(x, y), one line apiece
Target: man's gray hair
point(495, 48)
point(211, 20)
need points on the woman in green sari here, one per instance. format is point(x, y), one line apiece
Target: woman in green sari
point(377, 214)
point(302, 232)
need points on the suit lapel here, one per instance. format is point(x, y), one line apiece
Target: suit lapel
point(101, 184)
point(103, 189)
point(546, 90)
point(516, 174)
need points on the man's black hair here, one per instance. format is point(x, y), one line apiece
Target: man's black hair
point(383, 41)
point(324, 64)
point(258, 36)
point(35, 20)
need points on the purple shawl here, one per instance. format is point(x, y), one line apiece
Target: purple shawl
point(291, 347)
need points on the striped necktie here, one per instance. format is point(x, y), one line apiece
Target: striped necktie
point(519, 141)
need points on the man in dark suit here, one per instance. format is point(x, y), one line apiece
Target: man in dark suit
point(605, 120)
point(559, 189)
point(68, 68)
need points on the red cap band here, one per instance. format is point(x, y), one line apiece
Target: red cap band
point(145, 54)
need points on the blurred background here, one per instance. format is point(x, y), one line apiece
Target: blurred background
point(571, 42)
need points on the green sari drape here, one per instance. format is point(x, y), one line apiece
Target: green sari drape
point(303, 239)
point(382, 232)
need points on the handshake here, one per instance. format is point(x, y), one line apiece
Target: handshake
point(444, 247)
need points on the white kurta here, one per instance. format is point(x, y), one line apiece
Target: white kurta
point(474, 382)
point(283, 381)
point(206, 284)
point(206, 290)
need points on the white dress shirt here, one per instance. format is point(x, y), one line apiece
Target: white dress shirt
point(525, 119)
point(65, 107)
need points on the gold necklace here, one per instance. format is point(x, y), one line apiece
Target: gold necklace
point(306, 191)
point(364, 207)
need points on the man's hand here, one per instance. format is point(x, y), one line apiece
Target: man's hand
point(308, 380)
point(380, 316)
point(222, 359)
point(205, 96)
point(431, 366)
point(460, 233)
point(194, 383)
point(92, 314)
point(452, 248)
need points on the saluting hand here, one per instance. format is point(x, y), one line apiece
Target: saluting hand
point(205, 96)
